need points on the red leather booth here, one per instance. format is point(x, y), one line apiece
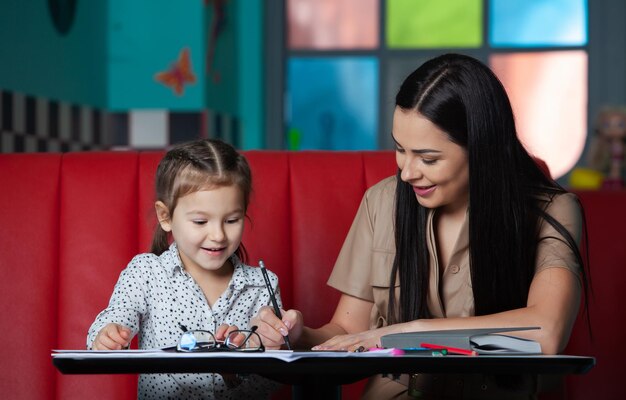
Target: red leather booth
point(71, 222)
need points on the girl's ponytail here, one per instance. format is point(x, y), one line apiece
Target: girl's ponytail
point(160, 241)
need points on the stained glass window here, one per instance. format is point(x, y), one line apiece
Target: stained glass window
point(332, 24)
point(537, 23)
point(332, 103)
point(434, 23)
point(551, 111)
point(343, 67)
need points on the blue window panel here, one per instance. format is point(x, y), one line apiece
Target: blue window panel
point(538, 23)
point(332, 103)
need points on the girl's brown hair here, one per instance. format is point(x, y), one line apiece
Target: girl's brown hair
point(199, 165)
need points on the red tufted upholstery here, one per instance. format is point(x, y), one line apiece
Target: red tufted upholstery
point(29, 261)
point(71, 223)
point(606, 219)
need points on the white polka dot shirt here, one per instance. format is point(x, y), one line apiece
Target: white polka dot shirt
point(155, 295)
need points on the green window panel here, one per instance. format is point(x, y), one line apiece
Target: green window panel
point(434, 23)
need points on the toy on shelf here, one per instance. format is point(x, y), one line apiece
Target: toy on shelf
point(607, 152)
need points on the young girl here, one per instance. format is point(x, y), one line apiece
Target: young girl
point(199, 281)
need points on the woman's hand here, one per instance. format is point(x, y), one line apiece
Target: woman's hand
point(353, 342)
point(273, 329)
point(351, 316)
point(112, 337)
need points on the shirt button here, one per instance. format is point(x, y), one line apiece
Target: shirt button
point(454, 269)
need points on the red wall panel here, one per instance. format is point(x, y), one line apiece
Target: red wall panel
point(267, 235)
point(326, 189)
point(146, 216)
point(378, 165)
point(29, 205)
point(98, 237)
point(606, 219)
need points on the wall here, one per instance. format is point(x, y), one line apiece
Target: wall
point(235, 74)
point(146, 38)
point(38, 60)
point(108, 61)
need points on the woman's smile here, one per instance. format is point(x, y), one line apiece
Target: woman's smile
point(424, 191)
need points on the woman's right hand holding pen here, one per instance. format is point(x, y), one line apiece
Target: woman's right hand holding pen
point(273, 329)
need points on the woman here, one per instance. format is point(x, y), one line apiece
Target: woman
point(469, 234)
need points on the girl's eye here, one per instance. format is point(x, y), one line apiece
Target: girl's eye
point(399, 150)
point(429, 162)
point(199, 221)
point(232, 221)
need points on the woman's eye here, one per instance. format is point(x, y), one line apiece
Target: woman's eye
point(429, 162)
point(399, 150)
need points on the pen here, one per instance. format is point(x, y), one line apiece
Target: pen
point(451, 350)
point(273, 298)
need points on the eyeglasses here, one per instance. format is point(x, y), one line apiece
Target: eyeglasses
point(246, 340)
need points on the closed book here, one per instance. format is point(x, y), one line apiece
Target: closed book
point(482, 341)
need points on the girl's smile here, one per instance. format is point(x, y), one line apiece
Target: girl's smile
point(207, 226)
point(215, 252)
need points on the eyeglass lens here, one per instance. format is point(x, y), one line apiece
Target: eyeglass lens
point(191, 340)
point(243, 340)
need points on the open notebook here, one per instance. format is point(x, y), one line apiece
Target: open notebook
point(482, 341)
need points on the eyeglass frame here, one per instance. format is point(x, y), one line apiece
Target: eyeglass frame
point(222, 345)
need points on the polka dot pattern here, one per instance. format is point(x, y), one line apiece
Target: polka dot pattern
point(154, 296)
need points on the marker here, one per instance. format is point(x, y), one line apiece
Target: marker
point(424, 350)
point(273, 298)
point(451, 350)
point(409, 350)
point(392, 351)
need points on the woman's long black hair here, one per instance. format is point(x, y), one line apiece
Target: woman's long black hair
point(465, 99)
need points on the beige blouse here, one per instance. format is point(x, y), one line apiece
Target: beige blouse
point(364, 264)
point(366, 258)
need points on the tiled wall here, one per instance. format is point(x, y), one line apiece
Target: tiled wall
point(30, 124)
point(34, 124)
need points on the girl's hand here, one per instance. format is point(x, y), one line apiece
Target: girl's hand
point(112, 337)
point(273, 329)
point(224, 331)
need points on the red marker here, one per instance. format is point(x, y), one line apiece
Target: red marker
point(451, 350)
